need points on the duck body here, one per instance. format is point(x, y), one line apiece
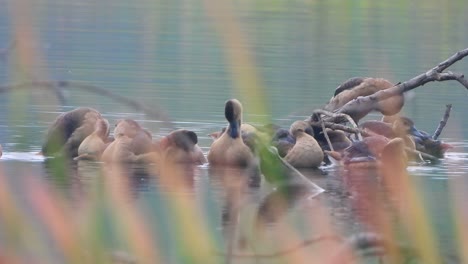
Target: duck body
point(306, 152)
point(404, 128)
point(68, 131)
point(93, 145)
point(180, 146)
point(130, 140)
point(229, 149)
point(378, 127)
point(283, 140)
point(120, 150)
point(371, 152)
point(365, 86)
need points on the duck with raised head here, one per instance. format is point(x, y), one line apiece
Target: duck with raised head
point(93, 145)
point(229, 149)
point(68, 131)
point(424, 141)
point(400, 126)
point(306, 153)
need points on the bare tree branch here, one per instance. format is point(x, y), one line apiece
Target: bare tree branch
point(442, 122)
point(352, 130)
point(339, 116)
point(365, 104)
point(57, 86)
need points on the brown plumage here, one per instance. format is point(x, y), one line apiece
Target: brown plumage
point(93, 145)
point(180, 146)
point(360, 86)
point(401, 127)
point(229, 149)
point(130, 141)
point(306, 153)
point(66, 133)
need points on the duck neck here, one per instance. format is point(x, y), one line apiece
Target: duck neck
point(234, 129)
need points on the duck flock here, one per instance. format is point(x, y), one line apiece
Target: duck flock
point(84, 134)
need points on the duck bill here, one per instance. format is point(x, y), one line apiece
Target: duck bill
point(415, 132)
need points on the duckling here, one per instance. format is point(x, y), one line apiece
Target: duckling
point(93, 145)
point(229, 149)
point(69, 129)
point(306, 153)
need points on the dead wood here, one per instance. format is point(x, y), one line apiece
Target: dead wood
point(361, 106)
point(358, 131)
point(359, 86)
point(442, 122)
point(58, 86)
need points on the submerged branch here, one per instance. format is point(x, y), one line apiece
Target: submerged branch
point(442, 122)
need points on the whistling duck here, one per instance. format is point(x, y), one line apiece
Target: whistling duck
point(229, 149)
point(306, 153)
point(69, 129)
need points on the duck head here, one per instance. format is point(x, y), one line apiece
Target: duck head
point(300, 127)
point(233, 114)
point(126, 127)
point(405, 126)
point(183, 139)
point(102, 128)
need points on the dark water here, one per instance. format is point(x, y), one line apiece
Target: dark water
point(187, 58)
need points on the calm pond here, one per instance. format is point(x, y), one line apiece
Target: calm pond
point(184, 59)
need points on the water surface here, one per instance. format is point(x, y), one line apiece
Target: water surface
point(173, 55)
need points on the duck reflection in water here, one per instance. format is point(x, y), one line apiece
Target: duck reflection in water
point(378, 187)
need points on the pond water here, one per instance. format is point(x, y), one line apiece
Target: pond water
point(184, 59)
